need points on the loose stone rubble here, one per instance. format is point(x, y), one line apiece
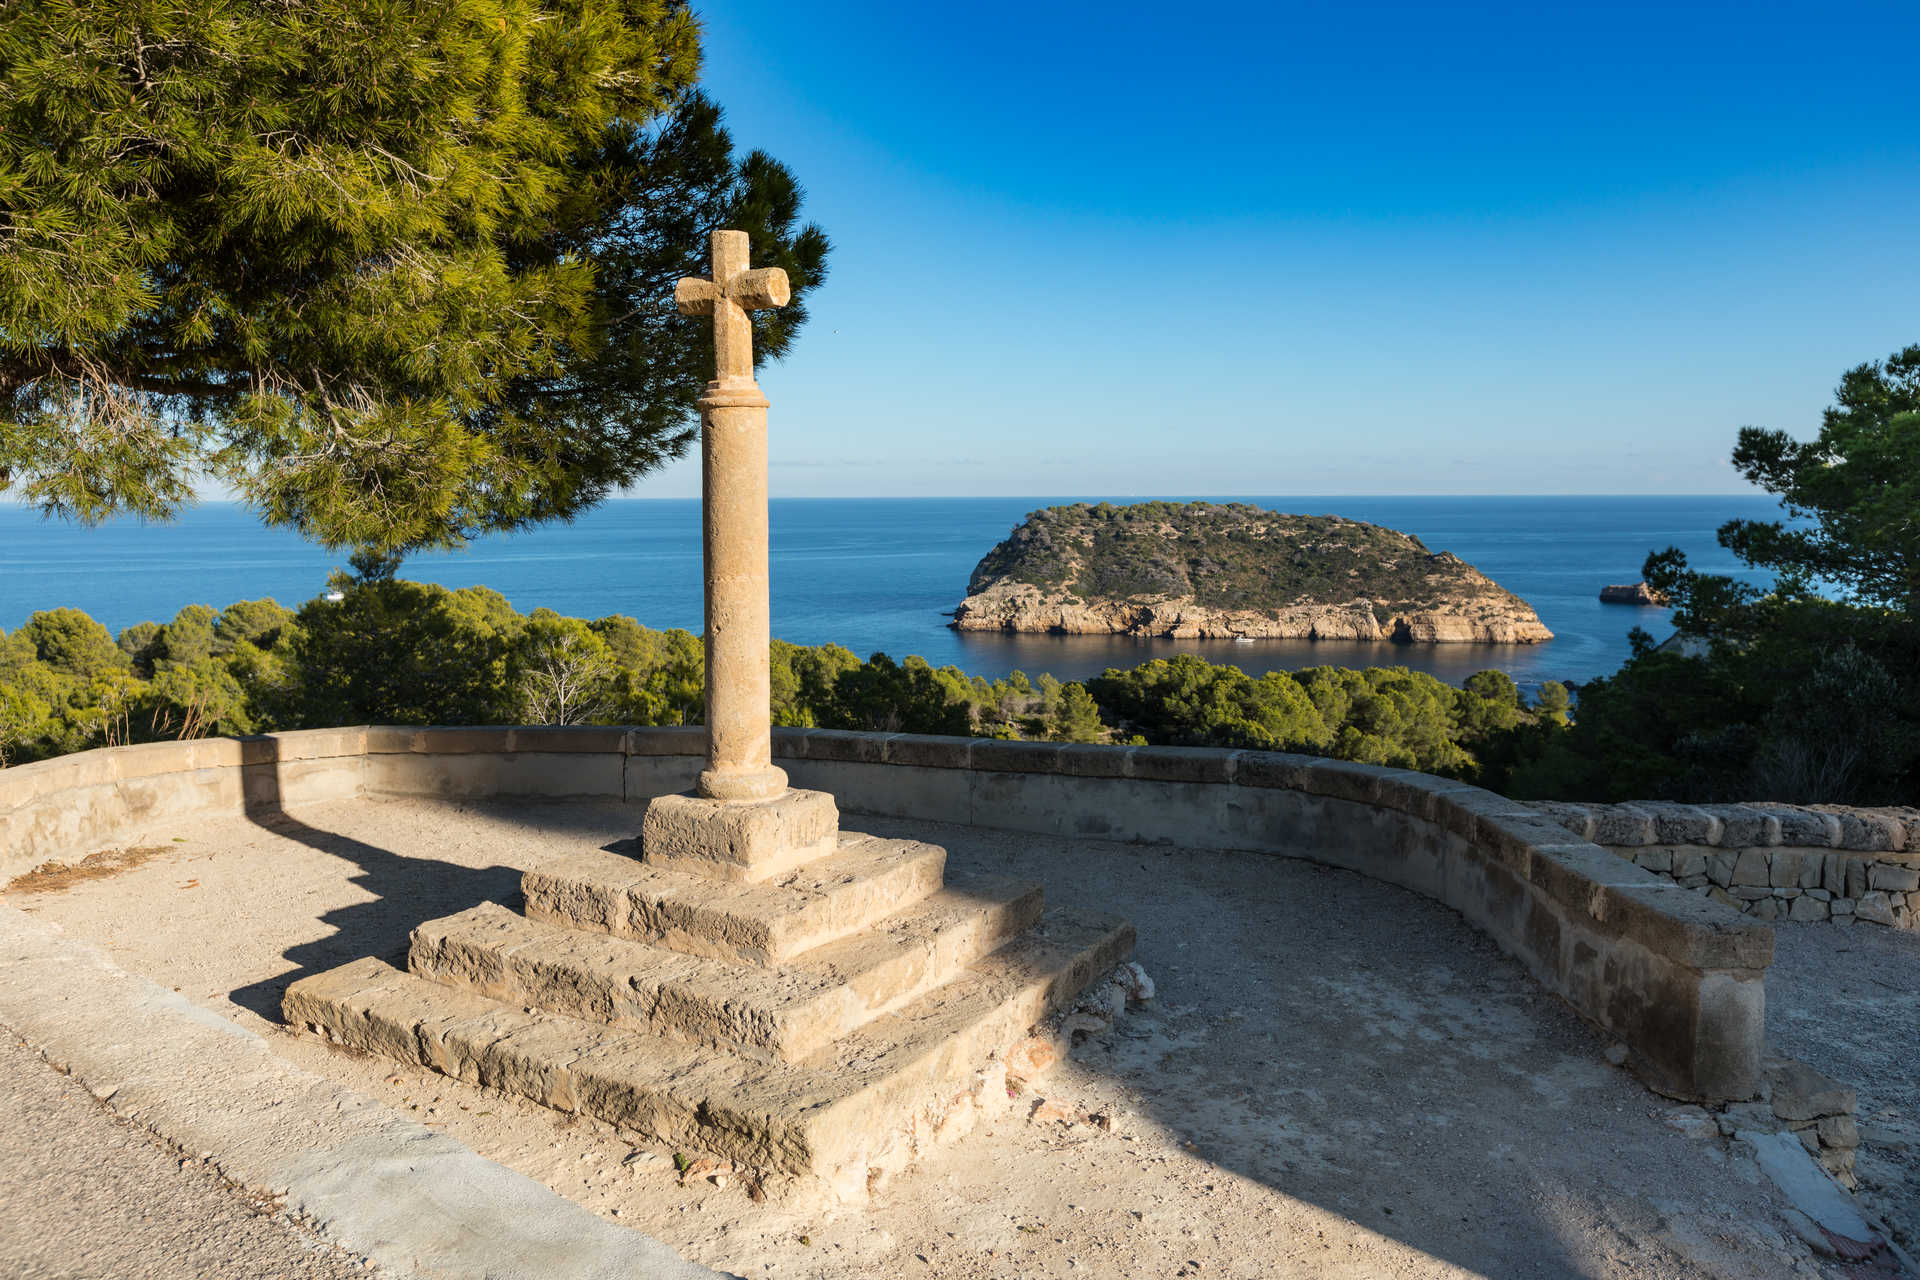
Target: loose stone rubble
point(1771, 861)
point(1802, 1132)
point(1816, 1109)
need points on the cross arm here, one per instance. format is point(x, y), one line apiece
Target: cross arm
point(694, 296)
point(757, 290)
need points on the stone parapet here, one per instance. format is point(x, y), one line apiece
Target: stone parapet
point(1675, 974)
point(1771, 861)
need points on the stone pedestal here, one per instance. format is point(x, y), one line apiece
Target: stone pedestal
point(740, 839)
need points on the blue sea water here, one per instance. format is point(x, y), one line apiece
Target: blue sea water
point(880, 574)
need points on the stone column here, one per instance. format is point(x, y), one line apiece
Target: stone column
point(734, 527)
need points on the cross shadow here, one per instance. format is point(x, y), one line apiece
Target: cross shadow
point(406, 891)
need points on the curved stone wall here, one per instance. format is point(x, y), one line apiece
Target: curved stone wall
point(1676, 976)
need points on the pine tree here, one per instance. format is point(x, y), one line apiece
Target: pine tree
point(1078, 719)
point(399, 272)
point(1850, 494)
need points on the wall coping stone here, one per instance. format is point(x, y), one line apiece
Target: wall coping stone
point(1093, 760)
point(997, 755)
point(1754, 824)
point(668, 740)
point(926, 752)
point(1179, 764)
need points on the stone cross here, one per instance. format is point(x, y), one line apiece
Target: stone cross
point(733, 480)
point(733, 291)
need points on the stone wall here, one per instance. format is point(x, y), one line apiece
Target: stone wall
point(1771, 861)
point(1675, 976)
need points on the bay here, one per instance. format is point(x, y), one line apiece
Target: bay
point(880, 574)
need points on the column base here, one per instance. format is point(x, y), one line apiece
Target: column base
point(739, 839)
point(769, 783)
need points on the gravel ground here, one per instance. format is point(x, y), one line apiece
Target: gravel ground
point(1846, 1000)
point(1338, 1079)
point(86, 1196)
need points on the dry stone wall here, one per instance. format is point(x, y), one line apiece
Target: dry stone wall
point(1771, 861)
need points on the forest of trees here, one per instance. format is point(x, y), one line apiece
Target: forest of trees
point(391, 651)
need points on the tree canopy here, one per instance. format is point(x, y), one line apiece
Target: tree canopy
point(1806, 688)
point(1852, 498)
point(398, 272)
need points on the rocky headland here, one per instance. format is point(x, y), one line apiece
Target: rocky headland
point(1208, 570)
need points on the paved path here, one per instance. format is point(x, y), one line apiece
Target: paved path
point(107, 1202)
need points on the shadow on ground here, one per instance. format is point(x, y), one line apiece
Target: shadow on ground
point(407, 890)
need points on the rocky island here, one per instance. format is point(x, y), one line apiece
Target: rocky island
point(1634, 593)
point(1233, 570)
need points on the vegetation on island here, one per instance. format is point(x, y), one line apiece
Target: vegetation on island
point(1809, 690)
point(1229, 555)
point(390, 651)
point(400, 275)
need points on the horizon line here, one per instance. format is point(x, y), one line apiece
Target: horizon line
point(10, 501)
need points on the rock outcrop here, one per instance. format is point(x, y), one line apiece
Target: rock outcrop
point(1637, 593)
point(1219, 571)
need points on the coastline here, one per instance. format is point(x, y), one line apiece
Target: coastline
point(880, 574)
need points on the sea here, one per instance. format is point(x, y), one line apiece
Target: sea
point(883, 574)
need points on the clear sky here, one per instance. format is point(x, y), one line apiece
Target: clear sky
point(1325, 248)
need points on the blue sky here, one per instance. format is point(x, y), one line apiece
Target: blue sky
point(1325, 248)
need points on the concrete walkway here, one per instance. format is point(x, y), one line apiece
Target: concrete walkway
point(88, 1194)
point(412, 1200)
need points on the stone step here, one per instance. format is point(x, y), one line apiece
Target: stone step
point(845, 1117)
point(762, 922)
point(790, 1012)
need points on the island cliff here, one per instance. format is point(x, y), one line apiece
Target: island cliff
point(1212, 570)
